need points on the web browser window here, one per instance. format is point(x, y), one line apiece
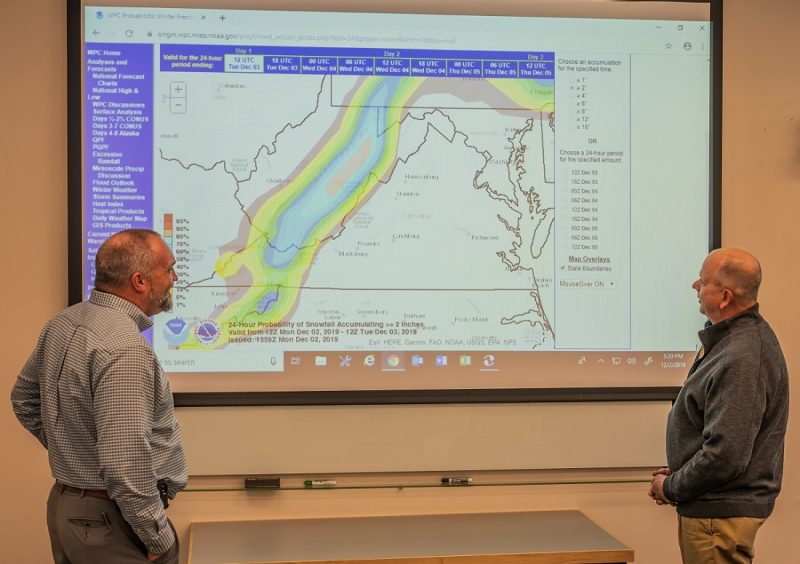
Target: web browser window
point(384, 201)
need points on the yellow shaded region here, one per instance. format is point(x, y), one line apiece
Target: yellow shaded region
point(527, 93)
point(284, 283)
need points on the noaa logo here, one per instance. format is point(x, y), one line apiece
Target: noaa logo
point(207, 332)
point(176, 331)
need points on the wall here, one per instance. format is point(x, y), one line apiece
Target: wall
point(761, 180)
point(33, 161)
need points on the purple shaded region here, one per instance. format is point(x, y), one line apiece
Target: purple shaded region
point(190, 60)
point(281, 65)
point(267, 301)
point(361, 61)
point(500, 69)
point(118, 173)
point(318, 65)
point(531, 69)
point(172, 52)
point(176, 325)
point(465, 67)
point(356, 65)
point(392, 67)
point(429, 67)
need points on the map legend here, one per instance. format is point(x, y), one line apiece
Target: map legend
point(168, 231)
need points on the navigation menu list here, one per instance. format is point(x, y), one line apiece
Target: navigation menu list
point(119, 143)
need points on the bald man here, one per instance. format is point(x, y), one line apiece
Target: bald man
point(94, 394)
point(725, 432)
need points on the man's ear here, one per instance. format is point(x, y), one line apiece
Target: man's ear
point(138, 282)
point(727, 298)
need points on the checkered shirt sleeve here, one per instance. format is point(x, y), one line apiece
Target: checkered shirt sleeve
point(94, 394)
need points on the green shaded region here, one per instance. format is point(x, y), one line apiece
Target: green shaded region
point(285, 282)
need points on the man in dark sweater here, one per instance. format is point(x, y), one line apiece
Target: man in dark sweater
point(725, 433)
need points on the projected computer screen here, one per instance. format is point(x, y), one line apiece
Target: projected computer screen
point(399, 201)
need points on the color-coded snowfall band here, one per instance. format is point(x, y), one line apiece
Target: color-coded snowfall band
point(119, 83)
point(357, 61)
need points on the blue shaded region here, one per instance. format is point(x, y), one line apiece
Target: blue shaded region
point(316, 203)
point(267, 301)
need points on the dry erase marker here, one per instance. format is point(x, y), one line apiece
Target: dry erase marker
point(457, 481)
point(319, 483)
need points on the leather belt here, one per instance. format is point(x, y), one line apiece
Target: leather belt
point(100, 494)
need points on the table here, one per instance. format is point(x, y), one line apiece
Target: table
point(537, 537)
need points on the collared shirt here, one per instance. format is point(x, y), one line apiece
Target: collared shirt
point(94, 394)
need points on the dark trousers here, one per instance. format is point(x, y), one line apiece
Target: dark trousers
point(89, 530)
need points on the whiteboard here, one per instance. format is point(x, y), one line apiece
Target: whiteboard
point(410, 438)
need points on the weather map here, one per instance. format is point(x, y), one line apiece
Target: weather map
point(363, 211)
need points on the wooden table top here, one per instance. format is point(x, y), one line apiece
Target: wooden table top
point(555, 537)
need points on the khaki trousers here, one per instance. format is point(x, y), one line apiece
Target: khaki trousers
point(718, 541)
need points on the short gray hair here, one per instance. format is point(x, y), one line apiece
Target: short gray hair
point(121, 255)
point(742, 277)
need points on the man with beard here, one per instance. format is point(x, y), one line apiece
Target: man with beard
point(94, 394)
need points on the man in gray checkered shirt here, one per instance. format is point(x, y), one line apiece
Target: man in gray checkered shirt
point(94, 394)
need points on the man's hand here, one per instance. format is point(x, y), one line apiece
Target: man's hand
point(656, 492)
